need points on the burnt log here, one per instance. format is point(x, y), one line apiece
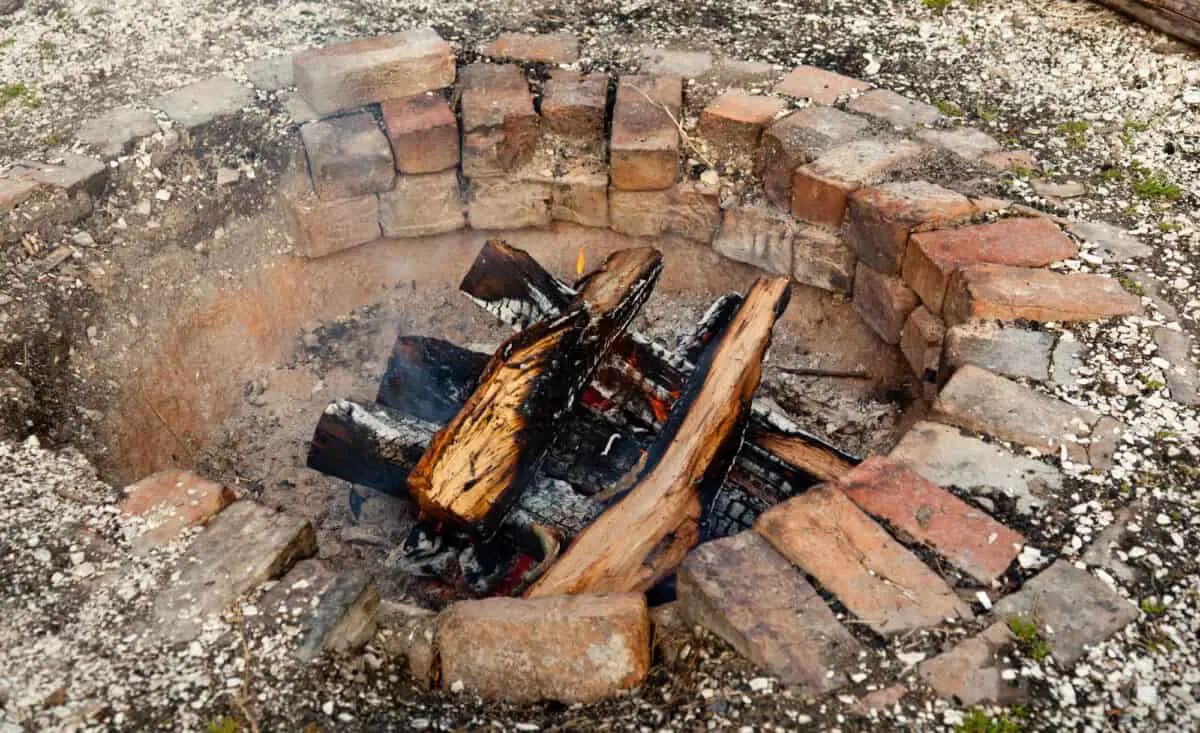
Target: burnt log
point(644, 536)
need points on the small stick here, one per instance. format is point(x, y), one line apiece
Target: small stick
point(819, 372)
point(687, 140)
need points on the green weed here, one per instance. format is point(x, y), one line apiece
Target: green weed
point(978, 721)
point(1156, 185)
point(1029, 639)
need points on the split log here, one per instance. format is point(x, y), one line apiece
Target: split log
point(1178, 18)
point(477, 465)
point(644, 537)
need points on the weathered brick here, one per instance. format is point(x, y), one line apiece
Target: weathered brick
point(348, 156)
point(1014, 160)
point(500, 127)
point(966, 537)
point(497, 203)
point(799, 138)
point(965, 142)
point(1183, 379)
point(883, 301)
point(1007, 351)
point(921, 342)
point(1009, 293)
point(114, 133)
point(757, 235)
point(170, 501)
point(1112, 243)
point(745, 592)
point(819, 85)
point(1072, 609)
point(687, 64)
point(637, 213)
point(73, 174)
point(323, 227)
point(423, 133)
point(333, 611)
point(421, 205)
point(821, 189)
point(566, 648)
point(198, 104)
point(733, 124)
point(645, 140)
point(574, 106)
point(895, 109)
point(580, 193)
point(972, 672)
point(273, 73)
point(549, 48)
point(822, 259)
point(879, 581)
point(690, 210)
point(15, 191)
point(882, 217)
point(367, 70)
point(932, 257)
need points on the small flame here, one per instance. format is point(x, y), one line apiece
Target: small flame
point(579, 262)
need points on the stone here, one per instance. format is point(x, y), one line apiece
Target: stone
point(333, 611)
point(932, 257)
point(1009, 293)
point(978, 400)
point(298, 110)
point(497, 203)
point(574, 107)
point(1051, 190)
point(644, 150)
point(946, 457)
point(1106, 436)
point(759, 236)
point(1106, 544)
point(687, 64)
point(549, 48)
point(1112, 243)
point(169, 502)
point(736, 72)
point(500, 127)
point(15, 191)
point(376, 69)
point(1007, 351)
point(348, 156)
point(272, 74)
point(881, 219)
point(822, 259)
point(409, 632)
point(421, 205)
point(114, 133)
point(972, 671)
point(883, 301)
point(880, 582)
point(203, 102)
point(965, 142)
point(1067, 360)
point(580, 193)
point(821, 189)
point(566, 648)
point(745, 592)
point(1183, 379)
point(819, 85)
point(1011, 160)
point(1072, 609)
point(883, 699)
point(73, 173)
point(797, 139)
point(423, 133)
point(921, 343)
point(733, 124)
point(895, 109)
point(320, 227)
point(966, 537)
point(10, 6)
point(32, 207)
point(244, 546)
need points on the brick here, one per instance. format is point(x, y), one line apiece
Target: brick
point(203, 102)
point(759, 236)
point(895, 109)
point(74, 174)
point(1072, 609)
point(819, 85)
point(1105, 437)
point(946, 457)
point(500, 127)
point(377, 69)
point(736, 72)
point(1066, 360)
point(409, 631)
point(799, 138)
point(1009, 293)
point(879, 581)
point(15, 191)
point(978, 400)
point(574, 106)
point(1112, 243)
point(638, 213)
point(566, 648)
point(932, 257)
point(645, 141)
point(114, 133)
point(423, 133)
point(324, 227)
point(1183, 379)
point(882, 217)
point(497, 203)
point(419, 206)
point(171, 501)
point(687, 64)
point(331, 611)
point(965, 142)
point(580, 193)
point(966, 537)
point(273, 73)
point(821, 189)
point(1007, 351)
point(921, 342)
point(689, 210)
point(883, 301)
point(348, 156)
point(549, 48)
point(822, 259)
point(745, 592)
point(972, 671)
point(733, 124)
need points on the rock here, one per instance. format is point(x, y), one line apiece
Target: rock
point(921, 343)
point(1010, 293)
point(1103, 549)
point(672, 634)
point(1051, 190)
point(883, 699)
point(819, 85)
point(882, 217)
point(687, 64)
point(334, 611)
point(965, 142)
point(644, 148)
point(17, 400)
point(1106, 436)
point(566, 648)
point(348, 157)
point(272, 74)
point(296, 109)
point(1183, 379)
point(879, 581)
point(883, 301)
point(497, 203)
point(1008, 351)
point(1112, 243)
point(551, 48)
point(423, 133)
point(421, 205)
point(115, 132)
point(75, 174)
point(320, 227)
point(169, 502)
point(821, 189)
point(574, 106)
point(203, 102)
point(1066, 360)
point(895, 109)
point(499, 124)
point(800, 138)
point(733, 124)
point(1014, 160)
point(10, 6)
point(972, 672)
point(745, 592)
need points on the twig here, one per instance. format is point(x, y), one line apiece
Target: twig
point(819, 372)
point(687, 140)
point(242, 698)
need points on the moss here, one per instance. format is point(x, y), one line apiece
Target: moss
point(1156, 185)
point(948, 108)
point(1153, 607)
point(978, 721)
point(1075, 131)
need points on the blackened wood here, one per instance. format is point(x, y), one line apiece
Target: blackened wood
point(429, 378)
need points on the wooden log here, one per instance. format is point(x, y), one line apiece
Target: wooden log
point(644, 537)
point(825, 465)
point(1178, 18)
point(479, 462)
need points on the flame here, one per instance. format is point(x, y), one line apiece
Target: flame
point(579, 262)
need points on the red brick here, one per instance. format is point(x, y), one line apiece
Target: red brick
point(883, 301)
point(348, 156)
point(880, 582)
point(966, 537)
point(497, 203)
point(896, 109)
point(921, 342)
point(689, 210)
point(822, 259)
point(799, 138)
point(367, 70)
point(551, 48)
point(1009, 293)
point(14, 192)
point(423, 133)
point(323, 227)
point(965, 142)
point(932, 257)
point(733, 124)
point(645, 140)
point(574, 106)
point(500, 127)
point(882, 217)
point(972, 673)
point(170, 501)
point(821, 190)
point(421, 205)
point(819, 85)
point(664, 61)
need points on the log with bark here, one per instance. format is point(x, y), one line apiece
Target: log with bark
point(1178, 18)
